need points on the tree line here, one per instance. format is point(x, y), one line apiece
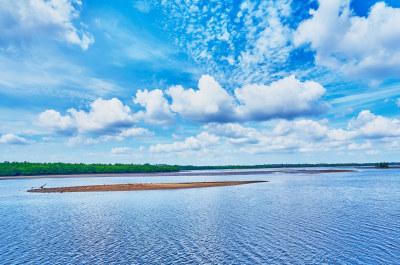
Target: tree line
point(29, 169)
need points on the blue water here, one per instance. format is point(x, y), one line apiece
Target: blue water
point(336, 218)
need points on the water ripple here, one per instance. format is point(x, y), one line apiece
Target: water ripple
point(351, 218)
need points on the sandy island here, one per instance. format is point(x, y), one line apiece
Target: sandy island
point(143, 186)
point(189, 173)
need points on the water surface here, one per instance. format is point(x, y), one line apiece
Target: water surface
point(335, 218)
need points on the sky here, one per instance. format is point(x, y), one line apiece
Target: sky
point(200, 82)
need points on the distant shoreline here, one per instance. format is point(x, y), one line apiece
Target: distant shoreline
point(21, 169)
point(188, 173)
point(142, 186)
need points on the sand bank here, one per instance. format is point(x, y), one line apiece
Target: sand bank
point(142, 186)
point(190, 173)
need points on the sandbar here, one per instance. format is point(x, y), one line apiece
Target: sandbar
point(143, 186)
point(190, 173)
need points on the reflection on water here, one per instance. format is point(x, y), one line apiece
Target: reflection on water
point(345, 218)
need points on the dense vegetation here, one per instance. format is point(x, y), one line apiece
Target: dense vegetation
point(28, 169)
point(382, 165)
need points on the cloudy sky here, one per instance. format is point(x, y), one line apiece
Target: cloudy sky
point(200, 82)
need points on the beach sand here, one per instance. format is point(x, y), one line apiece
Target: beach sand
point(142, 186)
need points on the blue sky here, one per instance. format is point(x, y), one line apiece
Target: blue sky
point(199, 82)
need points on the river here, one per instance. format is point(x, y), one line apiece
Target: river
point(332, 218)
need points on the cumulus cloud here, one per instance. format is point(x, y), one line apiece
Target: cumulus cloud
point(105, 120)
point(365, 145)
point(157, 107)
point(47, 19)
point(287, 135)
point(12, 139)
point(199, 142)
point(358, 46)
point(104, 117)
point(370, 125)
point(285, 98)
point(305, 135)
point(364, 132)
point(209, 103)
point(315, 130)
point(54, 121)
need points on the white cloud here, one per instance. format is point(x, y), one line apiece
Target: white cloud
point(370, 125)
point(191, 143)
point(341, 135)
point(199, 142)
point(315, 130)
point(105, 117)
point(106, 120)
point(305, 135)
point(143, 6)
point(286, 136)
point(54, 121)
point(267, 40)
point(125, 134)
point(295, 136)
point(157, 107)
point(230, 130)
point(133, 132)
point(365, 145)
point(372, 152)
point(128, 133)
point(285, 98)
point(12, 139)
point(358, 46)
point(249, 44)
point(209, 103)
point(121, 150)
point(80, 140)
point(47, 19)
point(366, 126)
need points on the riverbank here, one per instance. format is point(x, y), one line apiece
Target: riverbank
point(143, 186)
